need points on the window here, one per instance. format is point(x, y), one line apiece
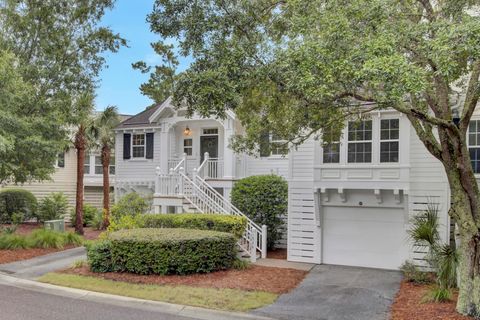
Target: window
point(389, 133)
point(98, 165)
point(188, 146)
point(474, 144)
point(86, 164)
point(360, 141)
point(60, 160)
point(212, 131)
point(331, 147)
point(278, 146)
point(138, 146)
point(111, 168)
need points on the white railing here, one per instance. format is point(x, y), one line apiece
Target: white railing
point(211, 168)
point(207, 200)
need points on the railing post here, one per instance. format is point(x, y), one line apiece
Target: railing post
point(180, 178)
point(157, 180)
point(206, 156)
point(184, 159)
point(264, 241)
point(253, 246)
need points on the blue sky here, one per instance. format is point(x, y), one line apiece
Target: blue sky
point(119, 83)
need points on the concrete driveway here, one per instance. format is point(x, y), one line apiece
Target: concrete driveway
point(338, 293)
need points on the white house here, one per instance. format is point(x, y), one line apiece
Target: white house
point(350, 203)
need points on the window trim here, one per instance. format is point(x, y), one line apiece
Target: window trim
point(57, 166)
point(144, 146)
point(188, 147)
point(380, 140)
point(360, 141)
point(473, 146)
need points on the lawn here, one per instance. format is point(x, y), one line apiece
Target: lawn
point(213, 298)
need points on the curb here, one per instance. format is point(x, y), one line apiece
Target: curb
point(149, 305)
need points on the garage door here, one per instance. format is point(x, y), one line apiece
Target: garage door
point(365, 237)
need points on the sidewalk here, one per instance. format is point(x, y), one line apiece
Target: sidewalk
point(37, 267)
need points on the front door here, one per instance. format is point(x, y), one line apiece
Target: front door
point(208, 144)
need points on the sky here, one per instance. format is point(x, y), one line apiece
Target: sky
point(119, 83)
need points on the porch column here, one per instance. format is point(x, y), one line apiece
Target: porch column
point(164, 147)
point(228, 154)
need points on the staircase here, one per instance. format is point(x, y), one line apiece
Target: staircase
point(194, 194)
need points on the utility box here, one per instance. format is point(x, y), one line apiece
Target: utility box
point(55, 225)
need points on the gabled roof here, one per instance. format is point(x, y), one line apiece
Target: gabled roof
point(139, 120)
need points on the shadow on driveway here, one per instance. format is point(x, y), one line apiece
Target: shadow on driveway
point(338, 293)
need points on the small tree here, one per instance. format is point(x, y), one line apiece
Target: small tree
point(105, 140)
point(264, 200)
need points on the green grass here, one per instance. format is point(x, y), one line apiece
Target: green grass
point(222, 299)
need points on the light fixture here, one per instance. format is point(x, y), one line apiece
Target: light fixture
point(187, 131)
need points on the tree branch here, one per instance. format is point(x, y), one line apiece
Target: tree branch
point(471, 98)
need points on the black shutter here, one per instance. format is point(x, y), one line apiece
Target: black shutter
point(149, 144)
point(127, 138)
point(265, 145)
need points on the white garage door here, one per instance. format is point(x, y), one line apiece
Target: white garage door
point(365, 237)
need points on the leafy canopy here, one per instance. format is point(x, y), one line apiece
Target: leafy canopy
point(296, 67)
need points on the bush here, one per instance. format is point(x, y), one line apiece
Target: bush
point(18, 202)
point(263, 199)
point(163, 251)
point(125, 222)
point(437, 294)
point(131, 205)
point(52, 207)
point(90, 213)
point(13, 242)
point(412, 273)
point(99, 256)
point(40, 238)
point(218, 222)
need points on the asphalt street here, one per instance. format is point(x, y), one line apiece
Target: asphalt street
point(23, 304)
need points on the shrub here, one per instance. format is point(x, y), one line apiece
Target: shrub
point(99, 256)
point(412, 273)
point(218, 222)
point(46, 239)
point(97, 221)
point(437, 294)
point(240, 264)
point(447, 263)
point(131, 205)
point(163, 251)
point(52, 207)
point(125, 222)
point(13, 242)
point(263, 199)
point(17, 201)
point(89, 215)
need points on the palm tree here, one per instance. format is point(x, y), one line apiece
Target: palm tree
point(82, 116)
point(105, 137)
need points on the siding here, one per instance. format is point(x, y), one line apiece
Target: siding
point(270, 165)
point(63, 180)
point(303, 233)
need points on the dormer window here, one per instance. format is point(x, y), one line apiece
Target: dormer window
point(360, 141)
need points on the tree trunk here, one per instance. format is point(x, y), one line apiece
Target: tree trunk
point(80, 146)
point(469, 296)
point(106, 186)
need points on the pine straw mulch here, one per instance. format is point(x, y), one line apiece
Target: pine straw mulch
point(277, 254)
point(259, 278)
point(408, 305)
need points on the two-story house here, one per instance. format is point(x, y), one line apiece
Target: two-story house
point(350, 202)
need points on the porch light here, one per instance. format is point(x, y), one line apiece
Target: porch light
point(187, 131)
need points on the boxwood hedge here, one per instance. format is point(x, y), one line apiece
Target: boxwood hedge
point(163, 251)
point(225, 223)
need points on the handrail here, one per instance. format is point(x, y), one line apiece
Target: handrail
point(179, 165)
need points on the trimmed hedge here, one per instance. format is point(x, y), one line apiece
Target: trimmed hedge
point(163, 251)
point(218, 222)
point(17, 205)
point(264, 199)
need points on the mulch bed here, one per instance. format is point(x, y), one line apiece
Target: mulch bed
point(89, 233)
point(408, 305)
point(260, 278)
point(277, 254)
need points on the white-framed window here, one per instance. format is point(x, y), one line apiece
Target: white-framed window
point(86, 164)
point(278, 146)
point(331, 149)
point(138, 145)
point(359, 141)
point(389, 140)
point(473, 141)
point(188, 146)
point(60, 162)
point(210, 131)
point(99, 166)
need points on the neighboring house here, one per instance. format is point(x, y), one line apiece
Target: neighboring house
point(350, 202)
point(64, 179)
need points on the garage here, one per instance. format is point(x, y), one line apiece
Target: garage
point(364, 233)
